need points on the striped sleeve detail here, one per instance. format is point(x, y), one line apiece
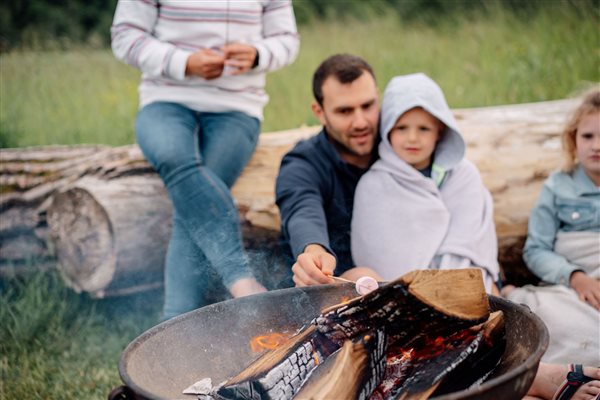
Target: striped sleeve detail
point(275, 5)
point(280, 43)
point(217, 15)
point(282, 33)
point(135, 49)
point(212, 19)
point(149, 2)
point(123, 28)
point(163, 82)
point(167, 62)
point(187, 46)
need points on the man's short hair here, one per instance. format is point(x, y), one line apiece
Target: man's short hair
point(346, 68)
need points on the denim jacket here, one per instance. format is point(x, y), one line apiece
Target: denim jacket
point(568, 202)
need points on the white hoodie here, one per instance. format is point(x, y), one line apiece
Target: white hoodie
point(158, 36)
point(403, 220)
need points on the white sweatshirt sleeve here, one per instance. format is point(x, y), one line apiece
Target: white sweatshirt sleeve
point(281, 42)
point(133, 43)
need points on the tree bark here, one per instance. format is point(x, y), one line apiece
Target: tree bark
point(515, 147)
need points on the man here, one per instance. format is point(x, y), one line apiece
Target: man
point(317, 179)
point(315, 193)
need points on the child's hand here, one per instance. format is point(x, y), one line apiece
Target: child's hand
point(587, 288)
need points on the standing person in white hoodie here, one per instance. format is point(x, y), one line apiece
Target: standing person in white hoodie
point(422, 205)
point(202, 95)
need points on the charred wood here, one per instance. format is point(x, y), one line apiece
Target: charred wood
point(280, 373)
point(490, 347)
point(353, 372)
point(424, 332)
point(433, 362)
point(419, 301)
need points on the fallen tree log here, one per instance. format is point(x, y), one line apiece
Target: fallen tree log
point(103, 247)
point(514, 146)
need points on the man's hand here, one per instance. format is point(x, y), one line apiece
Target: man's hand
point(587, 288)
point(313, 267)
point(239, 57)
point(205, 63)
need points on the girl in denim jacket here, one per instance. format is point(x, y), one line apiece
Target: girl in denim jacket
point(563, 244)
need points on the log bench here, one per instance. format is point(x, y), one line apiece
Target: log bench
point(102, 214)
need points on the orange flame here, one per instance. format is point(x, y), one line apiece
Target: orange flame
point(269, 341)
point(316, 358)
point(407, 354)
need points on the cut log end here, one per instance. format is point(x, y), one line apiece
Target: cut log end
point(81, 233)
point(468, 299)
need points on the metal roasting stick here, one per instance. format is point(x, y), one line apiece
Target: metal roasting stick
point(337, 278)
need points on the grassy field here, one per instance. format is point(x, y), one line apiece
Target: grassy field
point(55, 344)
point(89, 97)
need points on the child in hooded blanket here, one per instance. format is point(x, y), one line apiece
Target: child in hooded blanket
point(422, 205)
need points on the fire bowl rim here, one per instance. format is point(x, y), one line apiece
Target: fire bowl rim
point(530, 363)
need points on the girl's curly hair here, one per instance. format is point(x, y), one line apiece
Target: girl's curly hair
point(590, 105)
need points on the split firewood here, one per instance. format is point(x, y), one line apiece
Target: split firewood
point(432, 319)
point(432, 301)
point(353, 372)
point(451, 360)
point(490, 342)
point(280, 373)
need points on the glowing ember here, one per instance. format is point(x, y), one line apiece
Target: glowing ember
point(406, 354)
point(316, 358)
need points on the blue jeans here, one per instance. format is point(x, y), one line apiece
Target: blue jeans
point(199, 156)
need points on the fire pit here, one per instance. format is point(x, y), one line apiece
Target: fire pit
point(219, 340)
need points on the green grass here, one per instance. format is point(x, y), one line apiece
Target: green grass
point(87, 96)
point(55, 344)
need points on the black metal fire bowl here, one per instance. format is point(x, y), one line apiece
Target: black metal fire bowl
point(214, 342)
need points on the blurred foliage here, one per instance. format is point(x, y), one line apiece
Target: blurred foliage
point(427, 11)
point(44, 24)
point(61, 24)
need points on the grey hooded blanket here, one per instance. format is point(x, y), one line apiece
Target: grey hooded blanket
point(403, 220)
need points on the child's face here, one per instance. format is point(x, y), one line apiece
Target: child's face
point(587, 144)
point(414, 137)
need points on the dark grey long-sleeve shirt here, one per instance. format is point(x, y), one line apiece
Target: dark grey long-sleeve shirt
point(315, 196)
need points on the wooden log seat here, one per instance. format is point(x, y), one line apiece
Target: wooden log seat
point(103, 213)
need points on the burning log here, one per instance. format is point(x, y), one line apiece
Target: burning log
point(279, 374)
point(351, 373)
point(416, 302)
point(490, 344)
point(341, 354)
point(443, 365)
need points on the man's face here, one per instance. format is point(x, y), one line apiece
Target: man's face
point(350, 113)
